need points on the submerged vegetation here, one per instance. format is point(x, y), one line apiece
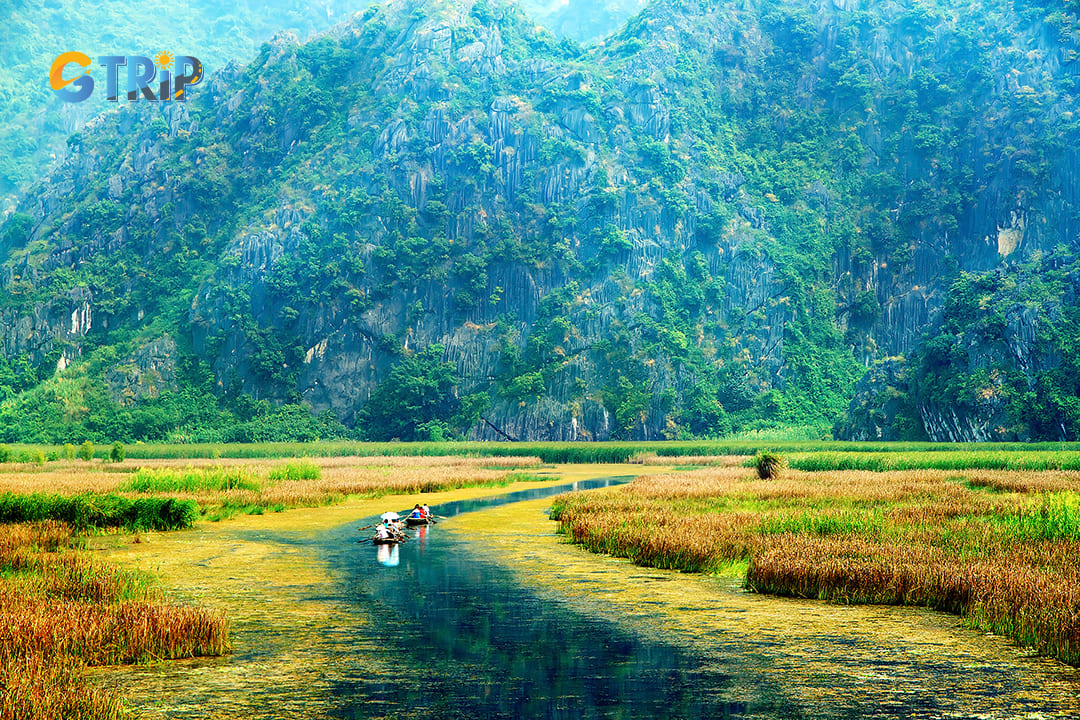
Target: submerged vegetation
point(996, 547)
point(985, 532)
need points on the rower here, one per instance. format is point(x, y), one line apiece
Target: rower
point(426, 510)
point(417, 513)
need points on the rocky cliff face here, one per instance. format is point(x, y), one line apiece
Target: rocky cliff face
point(717, 213)
point(51, 330)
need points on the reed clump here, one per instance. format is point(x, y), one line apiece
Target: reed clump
point(996, 547)
point(33, 686)
point(769, 464)
point(62, 611)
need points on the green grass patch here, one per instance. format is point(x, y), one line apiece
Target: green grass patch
point(588, 452)
point(526, 477)
point(299, 470)
point(1055, 517)
point(730, 568)
point(824, 523)
point(98, 511)
point(969, 459)
point(231, 509)
point(190, 480)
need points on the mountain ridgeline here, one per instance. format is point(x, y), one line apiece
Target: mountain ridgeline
point(439, 220)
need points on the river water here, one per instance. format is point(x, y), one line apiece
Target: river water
point(486, 616)
point(473, 643)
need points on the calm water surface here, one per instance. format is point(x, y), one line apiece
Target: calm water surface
point(473, 643)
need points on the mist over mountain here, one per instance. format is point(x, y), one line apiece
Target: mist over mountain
point(34, 123)
point(440, 219)
point(582, 21)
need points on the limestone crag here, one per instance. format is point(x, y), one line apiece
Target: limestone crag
point(717, 207)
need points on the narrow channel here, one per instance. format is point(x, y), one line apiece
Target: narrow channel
point(472, 643)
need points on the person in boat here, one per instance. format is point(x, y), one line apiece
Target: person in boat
point(426, 510)
point(417, 513)
point(382, 532)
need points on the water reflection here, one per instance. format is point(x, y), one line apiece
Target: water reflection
point(466, 506)
point(486, 616)
point(388, 555)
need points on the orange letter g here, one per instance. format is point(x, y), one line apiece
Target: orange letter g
point(83, 83)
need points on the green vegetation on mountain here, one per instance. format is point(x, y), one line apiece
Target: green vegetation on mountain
point(439, 220)
point(34, 124)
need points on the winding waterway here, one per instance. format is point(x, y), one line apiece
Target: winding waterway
point(487, 615)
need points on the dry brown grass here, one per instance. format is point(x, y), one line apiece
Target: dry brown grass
point(1025, 482)
point(1005, 559)
point(341, 476)
point(705, 460)
point(62, 610)
point(32, 687)
point(113, 634)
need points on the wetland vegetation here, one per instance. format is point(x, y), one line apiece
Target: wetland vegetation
point(63, 611)
point(989, 533)
point(997, 547)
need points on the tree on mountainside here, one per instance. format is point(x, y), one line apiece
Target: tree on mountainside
point(419, 400)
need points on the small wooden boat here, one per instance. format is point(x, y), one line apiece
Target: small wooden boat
point(385, 541)
point(413, 522)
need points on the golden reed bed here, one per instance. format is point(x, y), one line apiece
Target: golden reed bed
point(61, 611)
point(999, 548)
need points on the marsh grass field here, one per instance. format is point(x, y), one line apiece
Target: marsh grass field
point(998, 547)
point(990, 533)
point(919, 453)
point(63, 611)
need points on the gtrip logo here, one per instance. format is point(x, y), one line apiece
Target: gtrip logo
point(144, 76)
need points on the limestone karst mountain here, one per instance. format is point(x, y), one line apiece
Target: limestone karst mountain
point(718, 218)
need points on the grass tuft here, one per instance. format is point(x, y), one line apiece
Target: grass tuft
point(190, 480)
point(769, 464)
point(299, 470)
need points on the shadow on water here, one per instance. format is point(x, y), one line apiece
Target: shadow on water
point(472, 643)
